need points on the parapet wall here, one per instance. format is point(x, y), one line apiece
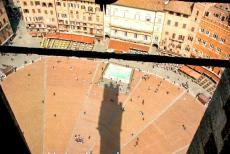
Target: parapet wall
point(213, 133)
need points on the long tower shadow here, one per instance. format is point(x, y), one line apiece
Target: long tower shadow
point(110, 117)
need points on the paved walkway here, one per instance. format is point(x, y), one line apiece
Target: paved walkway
point(167, 74)
point(24, 39)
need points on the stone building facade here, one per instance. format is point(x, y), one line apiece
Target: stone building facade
point(180, 26)
point(213, 134)
point(139, 23)
point(65, 16)
point(212, 38)
point(5, 28)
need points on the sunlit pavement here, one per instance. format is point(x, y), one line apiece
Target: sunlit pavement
point(24, 39)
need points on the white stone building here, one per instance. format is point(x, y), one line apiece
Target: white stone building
point(134, 22)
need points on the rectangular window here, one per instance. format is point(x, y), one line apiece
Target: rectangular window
point(135, 35)
point(181, 37)
point(31, 3)
point(145, 37)
point(219, 50)
point(4, 20)
point(39, 11)
point(33, 11)
point(125, 33)
point(148, 18)
point(185, 16)
point(211, 46)
point(51, 12)
point(184, 25)
point(222, 40)
point(174, 35)
point(26, 11)
point(215, 36)
point(37, 3)
point(204, 42)
point(197, 12)
point(166, 33)
point(64, 15)
point(46, 12)
point(190, 38)
point(192, 29)
point(177, 14)
point(168, 22)
point(137, 16)
point(176, 24)
point(206, 14)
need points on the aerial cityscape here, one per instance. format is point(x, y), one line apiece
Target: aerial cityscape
point(71, 105)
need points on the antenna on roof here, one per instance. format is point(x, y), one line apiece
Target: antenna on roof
point(165, 1)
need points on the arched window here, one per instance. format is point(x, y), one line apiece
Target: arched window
point(44, 4)
point(58, 3)
point(50, 5)
point(0, 24)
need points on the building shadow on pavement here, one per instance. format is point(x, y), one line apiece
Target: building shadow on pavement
point(110, 118)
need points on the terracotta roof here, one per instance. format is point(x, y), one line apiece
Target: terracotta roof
point(190, 72)
point(72, 37)
point(206, 72)
point(179, 7)
point(152, 5)
point(124, 46)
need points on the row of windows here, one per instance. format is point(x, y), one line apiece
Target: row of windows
point(211, 46)
point(83, 7)
point(217, 15)
point(38, 3)
point(90, 18)
point(4, 22)
point(62, 15)
point(37, 19)
point(85, 29)
point(38, 11)
point(213, 35)
point(180, 37)
point(178, 14)
point(80, 24)
point(43, 4)
point(134, 35)
point(176, 24)
point(137, 16)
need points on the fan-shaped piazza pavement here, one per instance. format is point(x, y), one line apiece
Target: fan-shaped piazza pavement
point(62, 107)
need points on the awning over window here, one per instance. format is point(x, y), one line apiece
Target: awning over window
point(72, 37)
point(200, 69)
point(190, 72)
point(124, 46)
